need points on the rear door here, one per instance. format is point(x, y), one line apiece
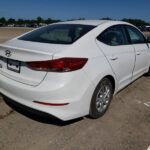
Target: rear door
point(141, 49)
point(120, 55)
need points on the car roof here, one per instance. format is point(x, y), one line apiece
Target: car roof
point(90, 22)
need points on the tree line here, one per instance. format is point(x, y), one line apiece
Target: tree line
point(136, 22)
point(39, 20)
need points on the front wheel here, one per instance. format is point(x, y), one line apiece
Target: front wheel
point(101, 98)
point(148, 73)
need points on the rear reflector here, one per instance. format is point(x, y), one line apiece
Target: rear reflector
point(51, 104)
point(58, 65)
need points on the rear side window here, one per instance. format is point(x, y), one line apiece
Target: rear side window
point(113, 36)
point(58, 34)
point(136, 36)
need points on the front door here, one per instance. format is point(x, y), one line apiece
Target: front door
point(141, 50)
point(120, 55)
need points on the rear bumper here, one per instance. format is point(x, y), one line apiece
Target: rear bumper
point(76, 90)
point(25, 109)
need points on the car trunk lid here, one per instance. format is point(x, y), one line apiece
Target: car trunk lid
point(14, 55)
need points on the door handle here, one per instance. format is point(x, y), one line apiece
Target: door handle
point(138, 53)
point(113, 57)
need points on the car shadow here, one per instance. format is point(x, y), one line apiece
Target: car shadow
point(38, 115)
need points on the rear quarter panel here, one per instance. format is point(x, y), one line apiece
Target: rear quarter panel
point(97, 66)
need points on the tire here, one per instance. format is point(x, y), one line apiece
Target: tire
point(101, 98)
point(148, 73)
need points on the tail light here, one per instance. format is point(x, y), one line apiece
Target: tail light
point(58, 65)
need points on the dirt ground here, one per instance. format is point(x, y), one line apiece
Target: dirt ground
point(126, 125)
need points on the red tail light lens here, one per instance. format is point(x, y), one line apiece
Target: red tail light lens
point(51, 104)
point(58, 65)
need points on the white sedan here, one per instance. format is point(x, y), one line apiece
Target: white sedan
point(72, 69)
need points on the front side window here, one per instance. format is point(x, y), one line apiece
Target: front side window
point(58, 33)
point(113, 36)
point(135, 36)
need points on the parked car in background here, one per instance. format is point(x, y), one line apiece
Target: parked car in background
point(148, 28)
point(144, 28)
point(11, 25)
point(72, 69)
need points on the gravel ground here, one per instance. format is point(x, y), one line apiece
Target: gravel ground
point(126, 125)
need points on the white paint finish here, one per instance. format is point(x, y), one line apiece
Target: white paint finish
point(77, 87)
point(142, 59)
point(86, 22)
point(121, 59)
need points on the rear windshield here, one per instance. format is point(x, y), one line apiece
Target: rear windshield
point(58, 33)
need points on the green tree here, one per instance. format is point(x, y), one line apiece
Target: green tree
point(39, 20)
point(81, 19)
point(3, 20)
point(106, 18)
point(48, 21)
point(136, 22)
point(20, 21)
point(11, 21)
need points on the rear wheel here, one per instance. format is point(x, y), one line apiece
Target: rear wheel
point(101, 98)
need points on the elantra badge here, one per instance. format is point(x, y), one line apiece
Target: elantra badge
point(8, 53)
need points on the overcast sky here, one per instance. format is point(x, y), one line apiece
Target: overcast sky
point(68, 9)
